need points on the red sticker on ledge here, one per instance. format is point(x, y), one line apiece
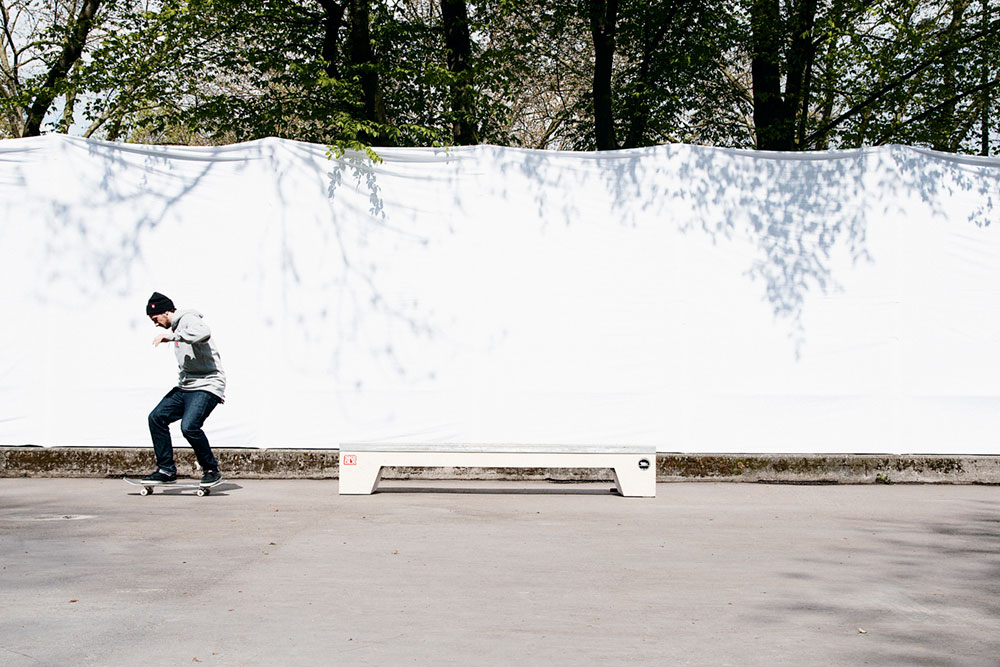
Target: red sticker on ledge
point(350, 459)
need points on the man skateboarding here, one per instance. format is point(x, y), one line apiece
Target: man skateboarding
point(201, 387)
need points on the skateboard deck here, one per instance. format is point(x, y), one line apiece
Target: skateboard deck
point(147, 487)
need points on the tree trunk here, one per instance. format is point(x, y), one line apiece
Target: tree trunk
point(458, 50)
point(774, 129)
point(945, 137)
point(636, 108)
point(800, 62)
point(67, 119)
point(984, 128)
point(76, 39)
point(363, 62)
point(654, 30)
point(603, 20)
point(333, 20)
point(835, 18)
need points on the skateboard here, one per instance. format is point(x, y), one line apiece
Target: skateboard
point(147, 487)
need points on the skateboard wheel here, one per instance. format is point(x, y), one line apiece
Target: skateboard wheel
point(203, 492)
point(146, 490)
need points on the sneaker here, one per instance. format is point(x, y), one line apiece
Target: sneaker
point(161, 476)
point(211, 477)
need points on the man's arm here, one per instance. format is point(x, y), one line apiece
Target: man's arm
point(164, 338)
point(191, 329)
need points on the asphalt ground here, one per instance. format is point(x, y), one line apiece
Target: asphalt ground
point(272, 572)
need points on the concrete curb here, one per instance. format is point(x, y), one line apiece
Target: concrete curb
point(829, 468)
point(323, 464)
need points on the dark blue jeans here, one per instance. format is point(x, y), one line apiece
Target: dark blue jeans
point(192, 408)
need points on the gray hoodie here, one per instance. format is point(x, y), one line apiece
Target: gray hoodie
point(197, 356)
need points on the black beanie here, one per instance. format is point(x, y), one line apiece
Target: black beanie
point(158, 304)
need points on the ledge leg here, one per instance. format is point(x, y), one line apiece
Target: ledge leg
point(634, 482)
point(360, 478)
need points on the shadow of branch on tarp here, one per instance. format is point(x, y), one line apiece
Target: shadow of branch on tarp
point(326, 261)
point(941, 178)
point(792, 208)
point(361, 167)
point(12, 184)
point(795, 209)
point(98, 226)
point(336, 265)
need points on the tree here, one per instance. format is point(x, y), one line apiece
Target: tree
point(238, 70)
point(669, 59)
point(365, 67)
point(577, 74)
point(774, 115)
point(72, 48)
point(41, 44)
point(986, 58)
point(458, 53)
point(533, 72)
point(859, 73)
point(603, 22)
point(617, 74)
point(354, 73)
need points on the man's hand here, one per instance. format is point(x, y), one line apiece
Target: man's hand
point(160, 338)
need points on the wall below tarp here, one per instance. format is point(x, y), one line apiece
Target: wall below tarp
point(695, 299)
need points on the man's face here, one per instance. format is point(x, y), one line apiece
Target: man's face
point(161, 320)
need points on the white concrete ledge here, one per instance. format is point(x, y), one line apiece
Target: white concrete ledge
point(361, 464)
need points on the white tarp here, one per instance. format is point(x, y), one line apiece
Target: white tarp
point(695, 299)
